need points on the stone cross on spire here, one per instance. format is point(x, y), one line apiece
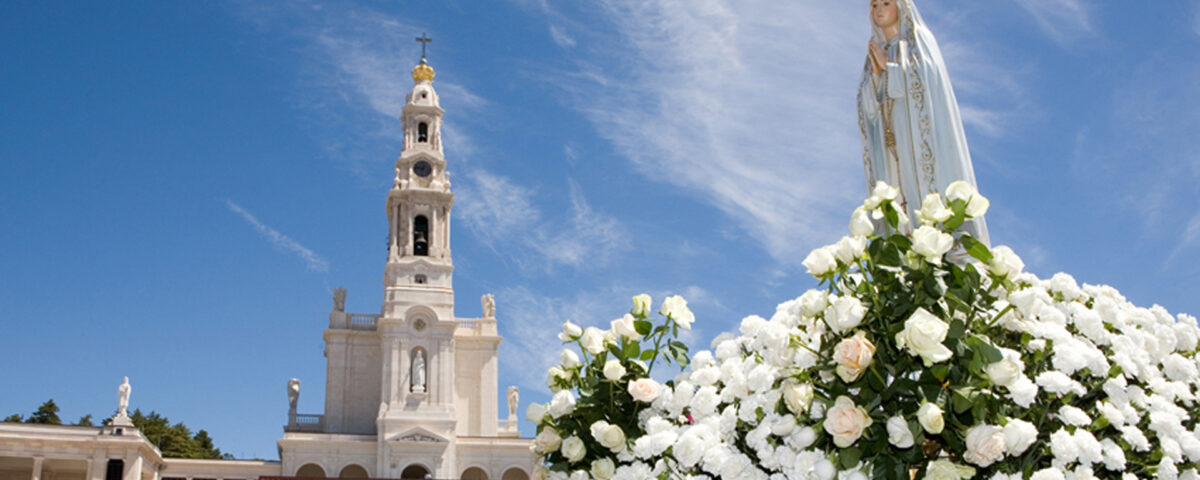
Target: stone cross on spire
point(425, 40)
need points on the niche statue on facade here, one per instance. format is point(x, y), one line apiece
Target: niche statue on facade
point(418, 372)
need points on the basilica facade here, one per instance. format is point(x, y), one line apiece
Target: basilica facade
point(411, 392)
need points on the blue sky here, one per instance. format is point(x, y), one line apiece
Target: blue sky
point(182, 184)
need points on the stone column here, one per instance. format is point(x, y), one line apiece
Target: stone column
point(133, 467)
point(37, 468)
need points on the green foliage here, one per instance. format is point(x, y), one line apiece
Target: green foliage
point(85, 421)
point(14, 418)
point(174, 440)
point(47, 414)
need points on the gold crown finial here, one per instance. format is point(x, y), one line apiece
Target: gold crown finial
point(422, 72)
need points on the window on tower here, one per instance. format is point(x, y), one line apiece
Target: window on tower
point(422, 132)
point(421, 236)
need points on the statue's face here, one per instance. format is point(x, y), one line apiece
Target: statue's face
point(885, 13)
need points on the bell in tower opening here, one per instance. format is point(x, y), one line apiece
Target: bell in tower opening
point(421, 236)
point(423, 132)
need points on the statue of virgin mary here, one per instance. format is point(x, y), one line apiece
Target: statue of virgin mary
point(912, 132)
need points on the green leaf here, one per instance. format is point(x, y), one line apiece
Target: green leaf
point(632, 350)
point(647, 355)
point(849, 457)
point(976, 248)
point(643, 327)
point(957, 220)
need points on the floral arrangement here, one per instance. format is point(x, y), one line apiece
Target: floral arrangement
point(921, 355)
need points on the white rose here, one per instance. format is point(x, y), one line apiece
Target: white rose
point(930, 418)
point(1008, 369)
point(613, 370)
point(535, 413)
point(569, 358)
point(853, 355)
point(573, 449)
point(977, 204)
point(608, 435)
point(1005, 262)
point(820, 262)
point(1019, 435)
point(860, 223)
point(923, 335)
point(579, 475)
point(641, 305)
point(675, 308)
point(644, 390)
point(947, 470)
point(571, 332)
point(985, 445)
point(931, 243)
point(846, 421)
point(623, 327)
point(933, 210)
point(845, 313)
point(547, 440)
point(899, 433)
point(603, 469)
point(849, 249)
point(562, 403)
point(813, 302)
point(798, 396)
point(884, 191)
point(592, 340)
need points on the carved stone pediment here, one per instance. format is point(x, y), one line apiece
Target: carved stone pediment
point(419, 435)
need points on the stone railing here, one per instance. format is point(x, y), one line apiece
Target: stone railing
point(306, 422)
point(476, 327)
point(362, 321)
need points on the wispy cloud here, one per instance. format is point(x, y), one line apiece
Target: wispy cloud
point(280, 241)
point(1064, 21)
point(356, 77)
point(1190, 237)
point(560, 37)
point(502, 215)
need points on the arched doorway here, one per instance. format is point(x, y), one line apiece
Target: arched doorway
point(353, 471)
point(474, 473)
point(310, 470)
point(515, 474)
point(414, 472)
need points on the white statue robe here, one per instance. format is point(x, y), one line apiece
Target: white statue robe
point(914, 99)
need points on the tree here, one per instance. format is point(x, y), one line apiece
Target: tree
point(14, 418)
point(174, 440)
point(85, 421)
point(47, 414)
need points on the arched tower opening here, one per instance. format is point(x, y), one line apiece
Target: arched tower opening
point(421, 236)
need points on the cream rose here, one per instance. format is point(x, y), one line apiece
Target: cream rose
point(1005, 262)
point(675, 307)
point(562, 403)
point(1007, 370)
point(853, 355)
point(947, 470)
point(860, 223)
point(573, 449)
point(883, 191)
point(798, 396)
point(547, 440)
point(849, 249)
point(623, 327)
point(899, 434)
point(569, 358)
point(846, 422)
point(933, 210)
point(930, 418)
point(535, 413)
point(644, 390)
point(1019, 435)
point(923, 335)
point(931, 243)
point(977, 204)
point(613, 370)
point(608, 435)
point(985, 445)
point(820, 262)
point(641, 305)
point(571, 332)
point(845, 313)
point(603, 469)
point(592, 340)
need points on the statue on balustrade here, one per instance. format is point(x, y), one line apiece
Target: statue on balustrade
point(293, 391)
point(912, 131)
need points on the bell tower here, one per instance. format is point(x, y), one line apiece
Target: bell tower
point(417, 324)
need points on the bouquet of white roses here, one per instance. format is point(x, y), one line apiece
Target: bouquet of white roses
point(588, 428)
point(926, 355)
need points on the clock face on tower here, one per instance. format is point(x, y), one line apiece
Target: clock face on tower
point(422, 168)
